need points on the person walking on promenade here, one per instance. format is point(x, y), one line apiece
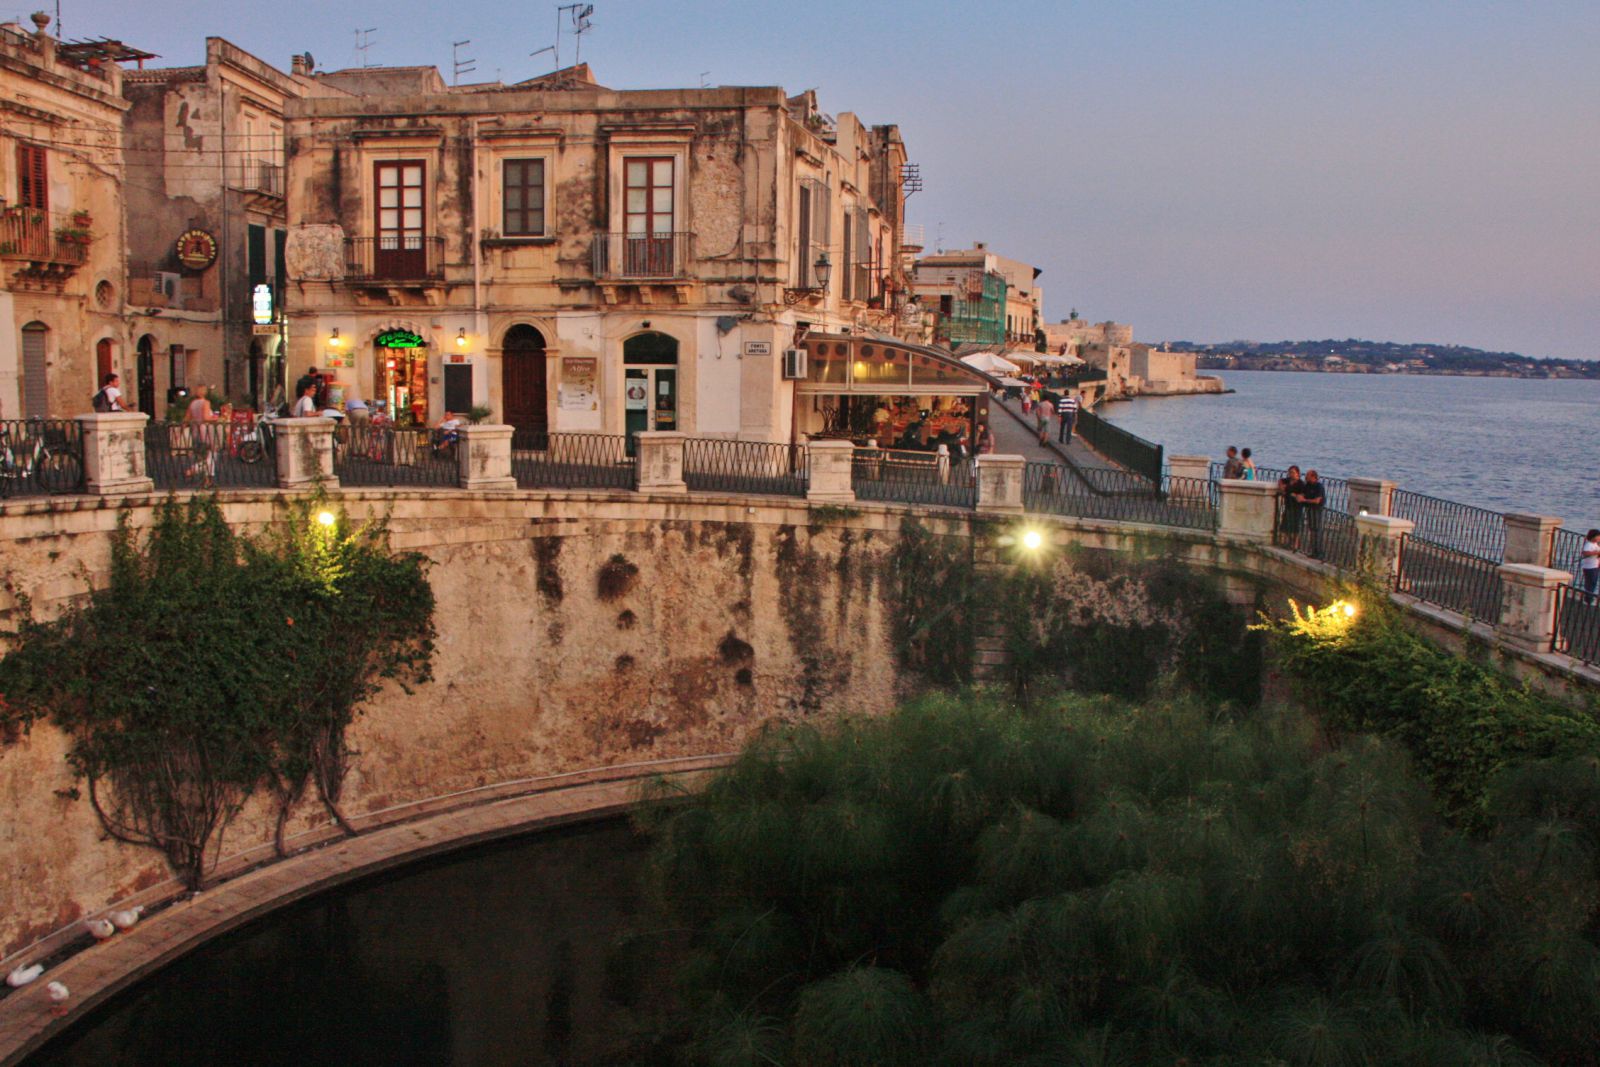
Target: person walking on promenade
point(1067, 409)
point(1589, 563)
point(1249, 471)
point(200, 422)
point(986, 441)
point(1289, 487)
point(1233, 466)
point(1041, 422)
point(1313, 495)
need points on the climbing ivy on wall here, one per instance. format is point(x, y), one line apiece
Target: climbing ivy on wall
point(935, 592)
point(214, 665)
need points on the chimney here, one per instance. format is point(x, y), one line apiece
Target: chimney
point(297, 64)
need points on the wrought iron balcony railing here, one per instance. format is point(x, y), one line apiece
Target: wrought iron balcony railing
point(54, 237)
point(261, 177)
point(641, 255)
point(395, 258)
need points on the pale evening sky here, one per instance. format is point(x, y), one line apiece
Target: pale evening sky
point(1403, 171)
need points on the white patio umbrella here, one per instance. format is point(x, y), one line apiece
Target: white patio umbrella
point(990, 363)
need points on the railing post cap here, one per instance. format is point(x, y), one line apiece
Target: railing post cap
point(111, 418)
point(1521, 518)
point(1533, 574)
point(487, 429)
point(829, 445)
point(1378, 525)
point(660, 435)
point(1247, 486)
point(997, 460)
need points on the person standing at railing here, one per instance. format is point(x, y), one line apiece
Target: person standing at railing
point(109, 398)
point(1289, 487)
point(306, 406)
point(1313, 496)
point(1067, 409)
point(1233, 466)
point(1589, 563)
point(201, 423)
point(1248, 465)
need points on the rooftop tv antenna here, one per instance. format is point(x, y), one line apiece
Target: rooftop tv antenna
point(542, 51)
point(364, 42)
point(461, 66)
point(911, 178)
point(703, 75)
point(580, 24)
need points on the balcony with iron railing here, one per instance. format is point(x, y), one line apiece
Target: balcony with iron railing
point(49, 238)
point(641, 256)
point(262, 178)
point(393, 258)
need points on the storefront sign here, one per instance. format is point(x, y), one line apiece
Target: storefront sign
point(335, 358)
point(577, 387)
point(258, 330)
point(196, 249)
point(758, 348)
point(261, 304)
point(399, 339)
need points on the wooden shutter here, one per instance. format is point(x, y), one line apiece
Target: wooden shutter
point(35, 383)
point(33, 177)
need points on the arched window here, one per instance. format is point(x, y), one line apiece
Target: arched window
point(35, 384)
point(650, 348)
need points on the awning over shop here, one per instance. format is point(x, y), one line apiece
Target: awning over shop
point(872, 366)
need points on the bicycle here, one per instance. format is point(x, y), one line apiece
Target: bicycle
point(27, 456)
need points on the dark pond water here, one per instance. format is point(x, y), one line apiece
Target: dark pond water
point(507, 954)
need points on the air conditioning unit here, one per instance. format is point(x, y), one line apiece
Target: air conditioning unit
point(794, 364)
point(167, 284)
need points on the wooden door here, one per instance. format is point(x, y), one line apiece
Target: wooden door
point(524, 390)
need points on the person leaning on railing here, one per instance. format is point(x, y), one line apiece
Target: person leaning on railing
point(1313, 497)
point(1589, 563)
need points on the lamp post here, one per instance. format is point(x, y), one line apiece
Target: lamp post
point(822, 272)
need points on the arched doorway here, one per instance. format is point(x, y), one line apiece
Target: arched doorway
point(524, 388)
point(144, 373)
point(35, 384)
point(649, 383)
point(400, 375)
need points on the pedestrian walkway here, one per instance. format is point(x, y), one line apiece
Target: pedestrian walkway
point(1014, 436)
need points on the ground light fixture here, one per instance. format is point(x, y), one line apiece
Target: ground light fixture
point(1032, 540)
point(325, 518)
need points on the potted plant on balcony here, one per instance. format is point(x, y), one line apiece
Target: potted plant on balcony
point(73, 235)
point(82, 220)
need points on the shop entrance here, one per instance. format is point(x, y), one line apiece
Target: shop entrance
point(400, 377)
point(649, 383)
point(144, 373)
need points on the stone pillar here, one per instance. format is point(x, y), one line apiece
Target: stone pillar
point(659, 461)
point(1528, 605)
point(1374, 494)
point(831, 470)
point(1529, 538)
point(1196, 467)
point(305, 452)
point(484, 456)
point(1379, 552)
point(1249, 509)
point(113, 453)
point(1000, 484)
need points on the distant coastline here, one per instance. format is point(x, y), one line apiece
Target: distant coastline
point(1354, 356)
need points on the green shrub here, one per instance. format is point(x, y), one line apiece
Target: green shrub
point(963, 883)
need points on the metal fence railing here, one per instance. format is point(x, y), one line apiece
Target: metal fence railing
point(387, 456)
point(914, 478)
point(711, 465)
point(40, 456)
point(1122, 496)
point(1577, 631)
point(212, 455)
point(1472, 530)
point(1319, 533)
point(1442, 575)
point(571, 461)
point(1566, 551)
point(1336, 491)
point(1121, 447)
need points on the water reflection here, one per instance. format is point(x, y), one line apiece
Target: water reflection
point(502, 955)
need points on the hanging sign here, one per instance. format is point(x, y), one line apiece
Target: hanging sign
point(261, 304)
point(196, 249)
point(400, 339)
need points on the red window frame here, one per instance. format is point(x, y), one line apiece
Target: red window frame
point(647, 208)
point(33, 177)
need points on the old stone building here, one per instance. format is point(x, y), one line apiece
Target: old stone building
point(207, 224)
point(61, 240)
point(577, 258)
point(979, 296)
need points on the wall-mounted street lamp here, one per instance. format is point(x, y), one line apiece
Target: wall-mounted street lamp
point(461, 337)
point(333, 338)
point(822, 271)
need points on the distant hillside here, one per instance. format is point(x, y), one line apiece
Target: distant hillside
point(1352, 356)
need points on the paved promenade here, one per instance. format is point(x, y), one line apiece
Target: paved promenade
point(1014, 436)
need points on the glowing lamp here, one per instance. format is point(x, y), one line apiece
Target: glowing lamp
point(326, 518)
point(334, 340)
point(461, 337)
point(1032, 540)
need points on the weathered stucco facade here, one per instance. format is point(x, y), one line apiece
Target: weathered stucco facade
point(61, 237)
point(582, 259)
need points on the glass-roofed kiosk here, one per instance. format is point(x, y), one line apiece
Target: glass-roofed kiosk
point(892, 393)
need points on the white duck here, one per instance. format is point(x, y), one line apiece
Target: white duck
point(100, 928)
point(124, 919)
point(58, 996)
point(23, 975)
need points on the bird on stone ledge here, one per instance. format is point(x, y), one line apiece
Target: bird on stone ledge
point(100, 928)
point(23, 975)
point(58, 997)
